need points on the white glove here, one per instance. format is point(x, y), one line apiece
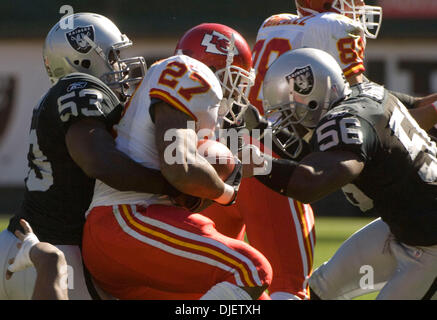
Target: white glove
point(22, 259)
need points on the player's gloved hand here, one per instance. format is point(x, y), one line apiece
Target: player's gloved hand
point(232, 184)
point(22, 259)
point(253, 119)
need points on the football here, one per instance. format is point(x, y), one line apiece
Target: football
point(218, 155)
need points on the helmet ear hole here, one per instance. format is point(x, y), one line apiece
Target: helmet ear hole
point(76, 62)
point(313, 105)
point(86, 63)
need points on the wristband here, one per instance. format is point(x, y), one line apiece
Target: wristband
point(280, 176)
point(227, 195)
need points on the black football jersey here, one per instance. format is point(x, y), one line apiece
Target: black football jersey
point(400, 173)
point(57, 191)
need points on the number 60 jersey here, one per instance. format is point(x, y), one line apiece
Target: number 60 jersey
point(182, 82)
point(399, 178)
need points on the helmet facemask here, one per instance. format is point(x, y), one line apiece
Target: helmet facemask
point(370, 17)
point(286, 134)
point(121, 72)
point(235, 83)
point(293, 122)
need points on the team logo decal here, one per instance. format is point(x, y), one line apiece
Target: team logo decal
point(217, 43)
point(77, 40)
point(303, 80)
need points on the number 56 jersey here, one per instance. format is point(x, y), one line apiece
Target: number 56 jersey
point(399, 178)
point(182, 82)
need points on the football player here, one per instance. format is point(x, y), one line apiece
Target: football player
point(364, 141)
point(339, 27)
point(71, 145)
point(140, 246)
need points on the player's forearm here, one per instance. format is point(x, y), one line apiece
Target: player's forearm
point(314, 177)
point(122, 173)
point(195, 176)
point(93, 149)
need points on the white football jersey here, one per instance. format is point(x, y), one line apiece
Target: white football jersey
point(333, 33)
point(180, 81)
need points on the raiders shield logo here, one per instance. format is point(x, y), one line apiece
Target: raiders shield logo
point(303, 79)
point(76, 38)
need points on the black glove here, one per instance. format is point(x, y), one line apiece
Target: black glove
point(253, 119)
point(234, 180)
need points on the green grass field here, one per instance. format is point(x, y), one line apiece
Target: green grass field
point(330, 232)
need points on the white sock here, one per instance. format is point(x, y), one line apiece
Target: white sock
point(281, 295)
point(226, 291)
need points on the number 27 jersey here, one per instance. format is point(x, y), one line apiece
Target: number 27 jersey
point(185, 84)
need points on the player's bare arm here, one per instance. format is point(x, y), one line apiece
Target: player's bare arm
point(194, 175)
point(425, 116)
point(320, 174)
point(92, 147)
point(317, 175)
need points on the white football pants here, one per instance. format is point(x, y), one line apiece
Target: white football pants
point(370, 260)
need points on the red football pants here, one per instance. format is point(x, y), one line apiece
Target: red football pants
point(165, 252)
point(279, 227)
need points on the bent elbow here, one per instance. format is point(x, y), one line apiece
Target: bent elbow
point(95, 170)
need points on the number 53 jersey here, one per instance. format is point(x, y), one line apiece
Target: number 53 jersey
point(182, 82)
point(57, 191)
point(399, 178)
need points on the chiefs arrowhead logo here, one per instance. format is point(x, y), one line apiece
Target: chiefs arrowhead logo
point(303, 79)
point(76, 38)
point(217, 43)
point(7, 95)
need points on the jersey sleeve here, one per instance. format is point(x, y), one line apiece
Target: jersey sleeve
point(346, 132)
point(341, 37)
point(188, 86)
point(81, 97)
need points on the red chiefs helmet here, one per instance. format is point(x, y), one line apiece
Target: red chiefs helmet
point(370, 17)
point(227, 53)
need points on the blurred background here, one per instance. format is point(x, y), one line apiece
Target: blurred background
point(404, 57)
